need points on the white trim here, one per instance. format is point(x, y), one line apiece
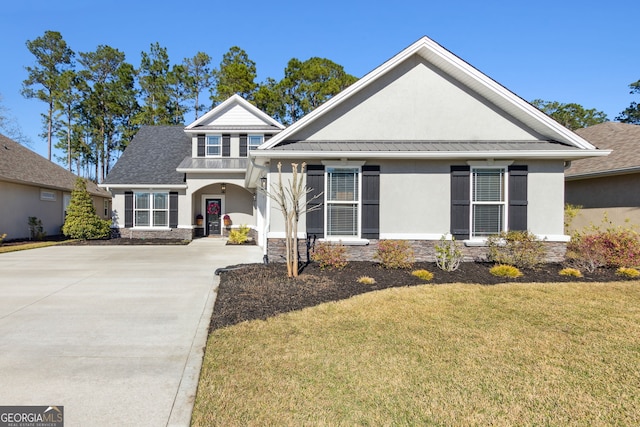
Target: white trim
point(207, 145)
point(150, 187)
point(237, 99)
point(48, 195)
point(343, 165)
point(490, 163)
point(346, 241)
point(504, 202)
point(449, 155)
point(482, 241)
point(213, 171)
point(412, 236)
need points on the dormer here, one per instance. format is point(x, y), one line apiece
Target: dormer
point(231, 130)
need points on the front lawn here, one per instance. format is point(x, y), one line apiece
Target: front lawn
point(450, 354)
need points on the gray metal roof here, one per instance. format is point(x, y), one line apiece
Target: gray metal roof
point(152, 157)
point(214, 163)
point(622, 138)
point(420, 146)
point(21, 165)
point(227, 128)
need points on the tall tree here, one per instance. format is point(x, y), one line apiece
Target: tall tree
point(53, 57)
point(157, 88)
point(10, 127)
point(109, 101)
point(198, 78)
point(572, 116)
point(631, 114)
point(67, 100)
point(308, 84)
point(236, 75)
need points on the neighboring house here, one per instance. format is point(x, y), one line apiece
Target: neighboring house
point(423, 146)
point(607, 185)
point(32, 186)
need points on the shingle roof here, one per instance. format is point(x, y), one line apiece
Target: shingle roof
point(21, 165)
point(422, 146)
point(152, 157)
point(622, 138)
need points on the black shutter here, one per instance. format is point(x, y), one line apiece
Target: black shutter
point(201, 152)
point(173, 209)
point(315, 217)
point(243, 145)
point(460, 201)
point(226, 145)
point(128, 208)
point(518, 175)
point(370, 202)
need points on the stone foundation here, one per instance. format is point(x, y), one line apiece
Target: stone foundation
point(171, 234)
point(423, 250)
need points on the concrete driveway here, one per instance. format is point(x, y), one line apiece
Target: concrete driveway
point(115, 334)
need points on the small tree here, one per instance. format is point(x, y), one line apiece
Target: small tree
point(81, 221)
point(291, 200)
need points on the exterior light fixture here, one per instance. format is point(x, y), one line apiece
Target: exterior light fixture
point(223, 186)
point(263, 182)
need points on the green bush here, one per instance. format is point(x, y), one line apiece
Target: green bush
point(448, 254)
point(330, 255)
point(614, 246)
point(573, 272)
point(36, 229)
point(521, 249)
point(239, 235)
point(629, 273)
point(394, 254)
point(423, 274)
point(81, 221)
point(503, 270)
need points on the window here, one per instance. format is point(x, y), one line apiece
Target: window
point(49, 196)
point(342, 201)
point(214, 146)
point(488, 201)
point(151, 210)
point(255, 141)
point(106, 209)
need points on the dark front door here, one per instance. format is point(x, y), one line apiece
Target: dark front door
point(213, 208)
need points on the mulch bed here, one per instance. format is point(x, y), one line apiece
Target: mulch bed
point(257, 291)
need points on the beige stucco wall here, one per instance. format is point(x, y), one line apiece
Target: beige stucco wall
point(415, 101)
point(20, 201)
point(415, 198)
point(616, 196)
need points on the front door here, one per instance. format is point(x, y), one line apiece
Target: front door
point(213, 208)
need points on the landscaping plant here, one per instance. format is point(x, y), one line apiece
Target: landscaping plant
point(503, 270)
point(81, 221)
point(448, 254)
point(330, 255)
point(425, 275)
point(366, 280)
point(36, 229)
point(2, 237)
point(239, 235)
point(629, 273)
point(573, 272)
point(394, 254)
point(521, 249)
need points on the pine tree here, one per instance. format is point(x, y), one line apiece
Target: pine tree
point(82, 222)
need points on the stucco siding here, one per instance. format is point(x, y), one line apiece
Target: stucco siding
point(19, 202)
point(416, 102)
point(545, 195)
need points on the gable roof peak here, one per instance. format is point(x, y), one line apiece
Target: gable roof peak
point(234, 99)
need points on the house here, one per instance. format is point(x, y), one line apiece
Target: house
point(607, 184)
point(423, 146)
point(32, 186)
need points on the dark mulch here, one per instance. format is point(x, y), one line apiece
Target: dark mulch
point(257, 291)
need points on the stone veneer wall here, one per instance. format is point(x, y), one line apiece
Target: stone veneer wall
point(132, 233)
point(424, 251)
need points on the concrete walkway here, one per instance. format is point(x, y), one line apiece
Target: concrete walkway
point(115, 334)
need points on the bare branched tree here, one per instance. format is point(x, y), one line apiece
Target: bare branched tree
point(291, 199)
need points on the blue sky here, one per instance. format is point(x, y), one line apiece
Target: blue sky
point(568, 51)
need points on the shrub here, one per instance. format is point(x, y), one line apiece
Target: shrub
point(330, 255)
point(570, 212)
point(366, 280)
point(36, 229)
point(521, 249)
point(239, 235)
point(573, 272)
point(629, 273)
point(423, 274)
point(611, 247)
point(2, 237)
point(81, 221)
point(394, 254)
point(448, 254)
point(503, 270)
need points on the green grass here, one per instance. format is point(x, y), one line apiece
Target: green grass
point(513, 354)
point(31, 245)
